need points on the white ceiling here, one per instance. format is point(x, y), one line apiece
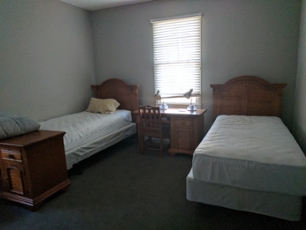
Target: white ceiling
point(101, 4)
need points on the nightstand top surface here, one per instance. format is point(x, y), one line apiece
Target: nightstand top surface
point(30, 138)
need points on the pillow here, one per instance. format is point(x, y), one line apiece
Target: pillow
point(102, 105)
point(14, 124)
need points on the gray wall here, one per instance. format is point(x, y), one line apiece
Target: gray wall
point(300, 102)
point(46, 58)
point(253, 37)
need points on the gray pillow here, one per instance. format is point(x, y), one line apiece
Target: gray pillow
point(15, 124)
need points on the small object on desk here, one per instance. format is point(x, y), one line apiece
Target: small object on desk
point(163, 106)
point(192, 108)
point(182, 110)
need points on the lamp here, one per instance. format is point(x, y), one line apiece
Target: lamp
point(187, 95)
point(192, 107)
point(162, 106)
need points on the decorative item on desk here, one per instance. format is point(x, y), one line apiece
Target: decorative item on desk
point(164, 106)
point(191, 107)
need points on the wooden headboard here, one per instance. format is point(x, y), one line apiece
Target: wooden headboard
point(247, 95)
point(125, 94)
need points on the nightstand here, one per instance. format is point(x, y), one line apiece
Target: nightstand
point(33, 167)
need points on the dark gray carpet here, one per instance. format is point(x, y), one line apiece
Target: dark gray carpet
point(121, 189)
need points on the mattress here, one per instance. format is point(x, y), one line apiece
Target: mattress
point(88, 133)
point(278, 205)
point(251, 152)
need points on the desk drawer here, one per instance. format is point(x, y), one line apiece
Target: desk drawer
point(11, 154)
point(183, 122)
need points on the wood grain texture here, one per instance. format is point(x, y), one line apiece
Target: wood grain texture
point(186, 129)
point(125, 94)
point(150, 125)
point(33, 167)
point(247, 95)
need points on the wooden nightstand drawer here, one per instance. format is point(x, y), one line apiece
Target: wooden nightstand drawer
point(11, 154)
point(183, 122)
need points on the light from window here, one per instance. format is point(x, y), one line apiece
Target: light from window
point(177, 57)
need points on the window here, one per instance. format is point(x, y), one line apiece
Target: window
point(177, 57)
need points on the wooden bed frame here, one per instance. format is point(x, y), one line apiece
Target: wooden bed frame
point(247, 95)
point(125, 94)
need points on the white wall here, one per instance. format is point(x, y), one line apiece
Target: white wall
point(238, 38)
point(300, 99)
point(47, 64)
point(46, 58)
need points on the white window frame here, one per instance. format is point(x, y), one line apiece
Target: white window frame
point(177, 58)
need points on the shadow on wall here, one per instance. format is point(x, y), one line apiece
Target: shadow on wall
point(300, 136)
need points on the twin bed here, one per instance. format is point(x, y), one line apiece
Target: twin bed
point(88, 133)
point(249, 160)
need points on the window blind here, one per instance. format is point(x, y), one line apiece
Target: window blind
point(177, 57)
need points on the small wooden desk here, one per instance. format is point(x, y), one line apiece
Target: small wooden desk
point(186, 129)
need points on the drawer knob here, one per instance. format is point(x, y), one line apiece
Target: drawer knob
point(11, 157)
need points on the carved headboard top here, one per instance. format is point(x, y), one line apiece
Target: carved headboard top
point(125, 94)
point(247, 95)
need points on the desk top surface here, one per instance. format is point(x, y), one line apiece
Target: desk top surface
point(178, 111)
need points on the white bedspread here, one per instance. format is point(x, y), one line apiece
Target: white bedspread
point(251, 152)
point(86, 132)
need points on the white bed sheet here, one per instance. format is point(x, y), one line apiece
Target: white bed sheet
point(88, 133)
point(251, 152)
